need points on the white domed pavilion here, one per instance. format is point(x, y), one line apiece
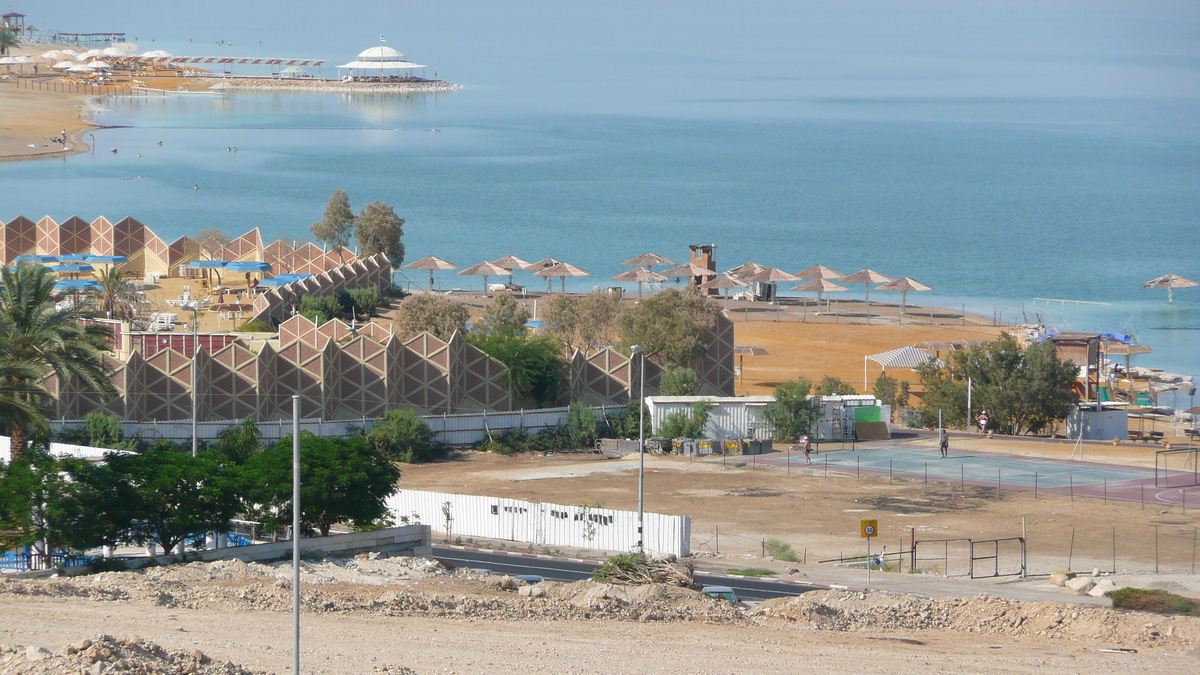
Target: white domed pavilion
point(377, 61)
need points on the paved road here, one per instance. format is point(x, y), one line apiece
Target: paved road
point(574, 570)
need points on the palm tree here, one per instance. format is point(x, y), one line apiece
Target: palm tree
point(115, 296)
point(8, 40)
point(38, 339)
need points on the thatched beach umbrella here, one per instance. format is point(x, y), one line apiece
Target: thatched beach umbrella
point(1116, 348)
point(745, 269)
point(771, 275)
point(649, 260)
point(690, 270)
point(724, 283)
point(820, 286)
point(542, 264)
point(510, 263)
point(562, 271)
point(866, 277)
point(904, 285)
point(485, 270)
point(431, 263)
point(820, 272)
point(1170, 282)
point(640, 275)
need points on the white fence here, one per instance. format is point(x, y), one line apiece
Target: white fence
point(458, 429)
point(57, 450)
point(539, 523)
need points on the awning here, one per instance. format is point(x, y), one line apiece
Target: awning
point(904, 357)
point(381, 65)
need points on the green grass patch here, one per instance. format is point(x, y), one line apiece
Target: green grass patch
point(751, 572)
point(780, 550)
point(1159, 602)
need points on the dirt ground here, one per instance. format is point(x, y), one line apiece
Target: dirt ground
point(359, 616)
point(30, 117)
point(819, 516)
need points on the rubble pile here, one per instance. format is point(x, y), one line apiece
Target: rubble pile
point(106, 654)
point(988, 615)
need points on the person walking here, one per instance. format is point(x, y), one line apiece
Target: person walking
point(982, 420)
point(807, 450)
point(944, 442)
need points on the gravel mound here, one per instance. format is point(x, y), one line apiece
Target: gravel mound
point(107, 654)
point(987, 615)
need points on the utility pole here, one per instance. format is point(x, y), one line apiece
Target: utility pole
point(641, 447)
point(295, 535)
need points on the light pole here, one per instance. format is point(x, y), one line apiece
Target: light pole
point(641, 446)
point(195, 307)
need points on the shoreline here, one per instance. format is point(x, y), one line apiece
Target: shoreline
point(330, 86)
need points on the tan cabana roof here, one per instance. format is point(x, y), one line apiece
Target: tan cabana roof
point(723, 282)
point(647, 259)
point(689, 269)
point(1170, 281)
point(866, 276)
point(1117, 347)
point(903, 284)
point(563, 269)
point(485, 269)
point(640, 275)
point(820, 286)
point(819, 272)
point(744, 269)
point(431, 263)
point(771, 275)
point(511, 262)
point(542, 264)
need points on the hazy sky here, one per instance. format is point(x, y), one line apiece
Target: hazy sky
point(1098, 48)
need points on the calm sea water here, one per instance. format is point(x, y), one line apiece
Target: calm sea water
point(1027, 163)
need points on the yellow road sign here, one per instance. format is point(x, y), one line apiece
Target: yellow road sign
point(870, 528)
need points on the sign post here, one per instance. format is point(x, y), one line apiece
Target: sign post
point(869, 529)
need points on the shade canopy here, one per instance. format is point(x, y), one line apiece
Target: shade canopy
point(542, 264)
point(819, 272)
point(276, 281)
point(36, 258)
point(75, 284)
point(73, 267)
point(648, 260)
point(293, 70)
point(511, 262)
point(485, 269)
point(771, 275)
point(723, 282)
point(63, 65)
point(73, 257)
point(689, 269)
point(248, 266)
point(749, 351)
point(866, 276)
point(564, 270)
point(819, 286)
point(1170, 282)
point(741, 271)
point(1122, 348)
point(157, 54)
point(904, 357)
point(208, 264)
point(431, 263)
point(640, 275)
point(108, 259)
point(904, 284)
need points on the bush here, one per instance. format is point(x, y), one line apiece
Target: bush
point(253, 326)
point(98, 431)
point(624, 424)
point(582, 425)
point(679, 381)
point(684, 425)
point(515, 441)
point(1159, 602)
point(320, 308)
point(403, 437)
point(835, 386)
point(360, 301)
point(780, 550)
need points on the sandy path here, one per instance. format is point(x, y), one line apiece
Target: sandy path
point(357, 644)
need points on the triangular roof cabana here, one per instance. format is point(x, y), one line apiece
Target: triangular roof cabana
point(904, 357)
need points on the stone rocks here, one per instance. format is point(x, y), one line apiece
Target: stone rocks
point(37, 653)
point(1080, 584)
point(532, 591)
point(1061, 578)
point(1102, 588)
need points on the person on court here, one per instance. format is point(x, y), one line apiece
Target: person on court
point(944, 442)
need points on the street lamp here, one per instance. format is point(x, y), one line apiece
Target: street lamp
point(195, 307)
point(641, 446)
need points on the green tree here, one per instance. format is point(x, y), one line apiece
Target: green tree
point(36, 336)
point(537, 371)
point(116, 295)
point(425, 313)
point(624, 424)
point(379, 230)
point(583, 426)
point(902, 394)
point(174, 494)
point(403, 437)
point(1025, 391)
point(679, 381)
point(320, 308)
point(341, 480)
point(95, 506)
point(791, 413)
point(586, 323)
point(690, 424)
point(239, 443)
point(504, 316)
point(672, 326)
point(885, 389)
point(337, 224)
point(835, 386)
point(8, 40)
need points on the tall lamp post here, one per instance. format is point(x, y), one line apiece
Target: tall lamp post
point(641, 446)
point(195, 307)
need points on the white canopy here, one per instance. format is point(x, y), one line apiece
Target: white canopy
point(158, 53)
point(380, 65)
point(113, 51)
point(8, 61)
point(100, 65)
point(380, 54)
point(127, 47)
point(904, 357)
point(91, 54)
point(62, 65)
point(80, 68)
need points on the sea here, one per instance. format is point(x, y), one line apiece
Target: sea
point(1022, 159)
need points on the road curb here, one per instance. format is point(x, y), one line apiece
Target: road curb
point(517, 554)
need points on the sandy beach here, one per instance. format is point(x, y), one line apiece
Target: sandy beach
point(31, 119)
